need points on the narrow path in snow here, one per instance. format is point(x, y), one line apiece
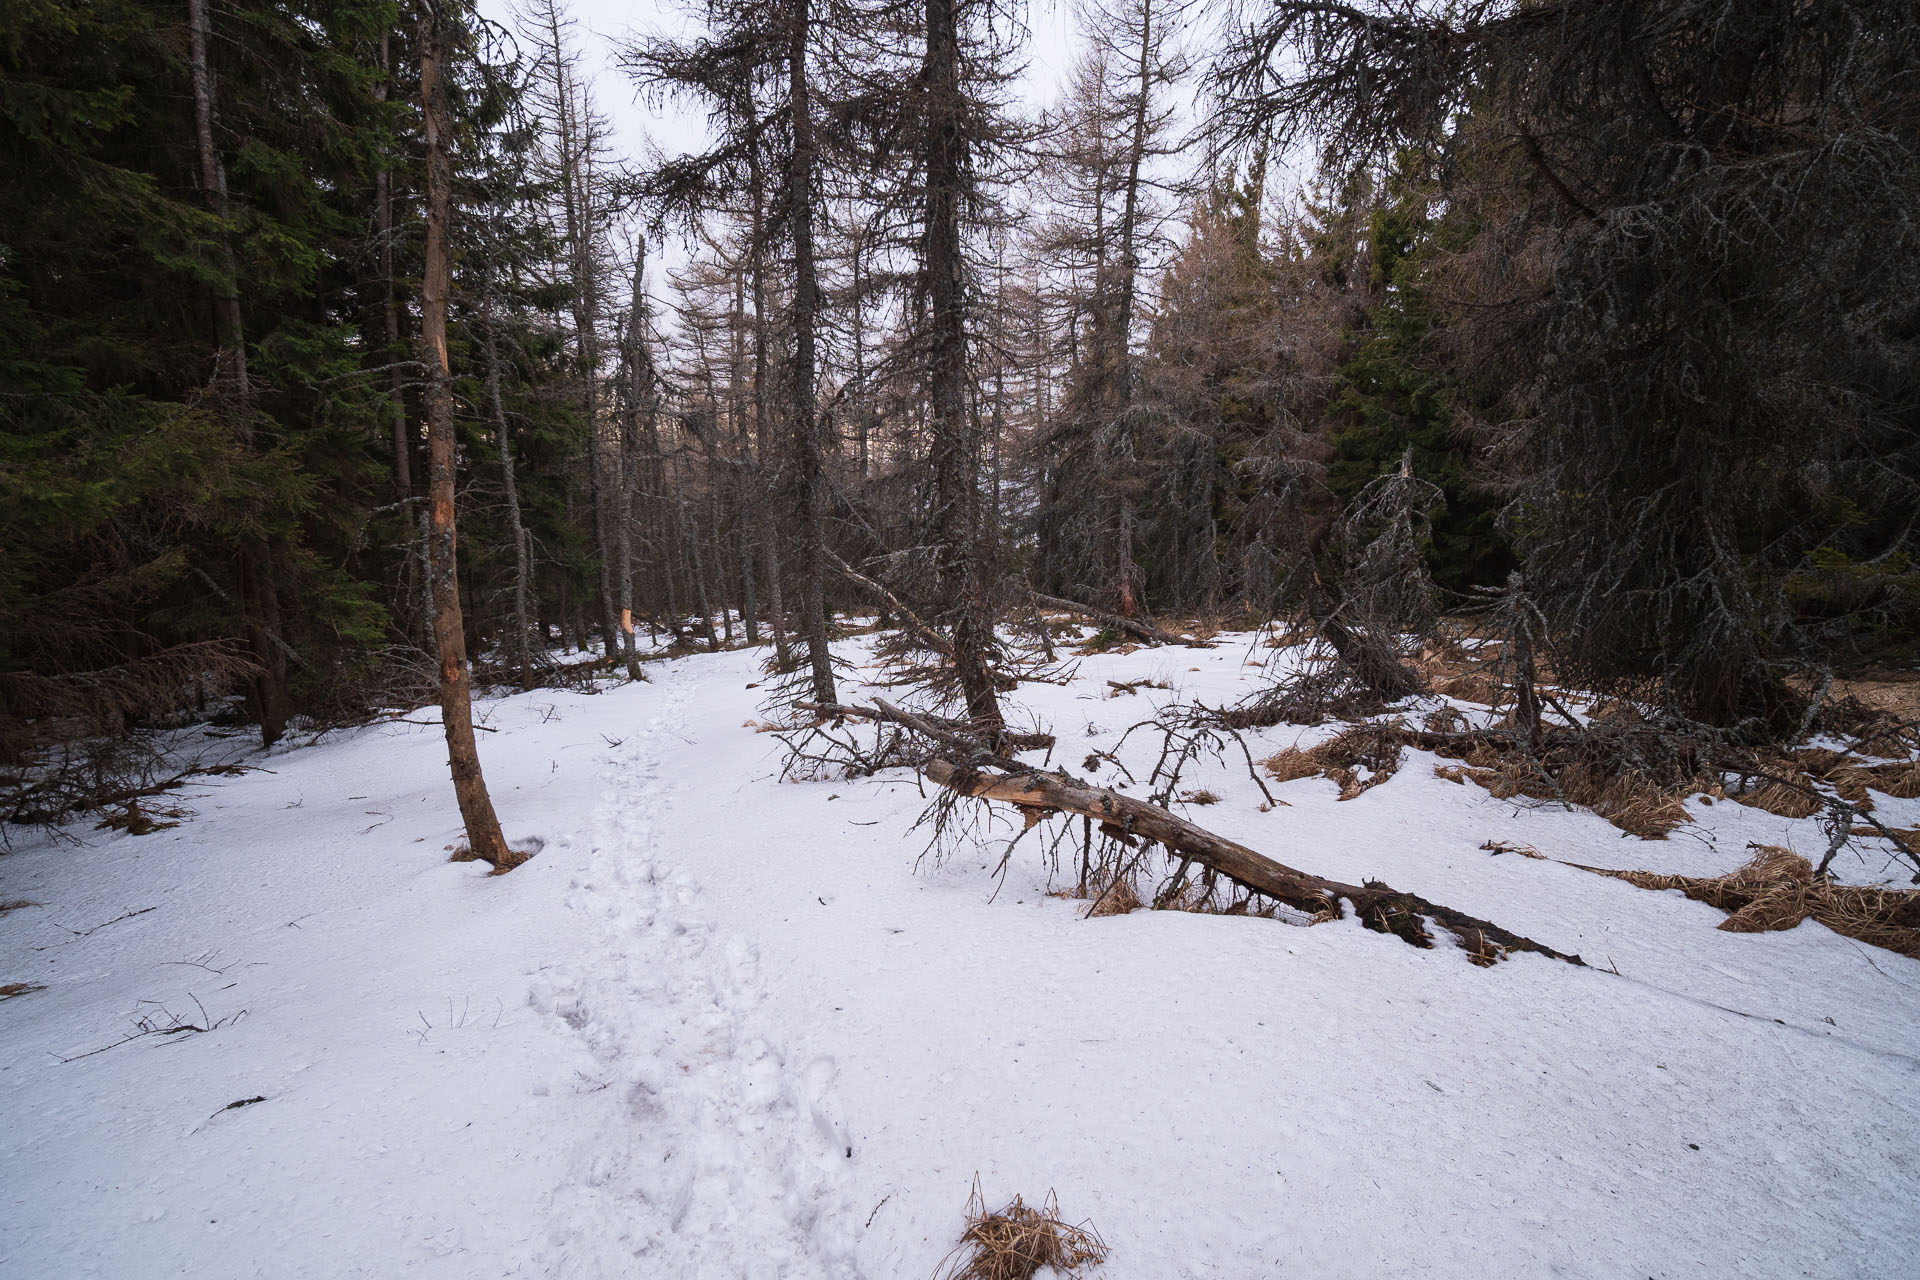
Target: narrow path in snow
point(716, 1153)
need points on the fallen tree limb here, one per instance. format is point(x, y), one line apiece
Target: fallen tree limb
point(1132, 626)
point(920, 630)
point(1379, 907)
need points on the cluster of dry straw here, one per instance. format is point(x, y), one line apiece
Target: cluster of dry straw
point(1016, 1242)
point(1776, 889)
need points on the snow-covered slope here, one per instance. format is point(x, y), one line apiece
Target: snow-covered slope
point(722, 1026)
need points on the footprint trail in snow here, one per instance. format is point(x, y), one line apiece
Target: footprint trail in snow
point(719, 1154)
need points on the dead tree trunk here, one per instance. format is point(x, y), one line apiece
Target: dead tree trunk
point(516, 530)
point(484, 837)
point(804, 428)
point(640, 400)
point(1380, 908)
point(961, 550)
point(256, 567)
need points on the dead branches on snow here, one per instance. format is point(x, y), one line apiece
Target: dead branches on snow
point(1378, 906)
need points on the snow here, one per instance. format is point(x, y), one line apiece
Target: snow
point(724, 1025)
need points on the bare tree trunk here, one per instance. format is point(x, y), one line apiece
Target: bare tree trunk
point(639, 364)
point(863, 416)
point(960, 556)
point(383, 225)
point(1121, 351)
point(762, 428)
point(256, 563)
point(575, 138)
point(697, 572)
point(736, 414)
point(776, 602)
point(420, 623)
point(516, 530)
point(804, 426)
point(484, 837)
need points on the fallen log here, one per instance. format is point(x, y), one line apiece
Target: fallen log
point(1132, 626)
point(1378, 906)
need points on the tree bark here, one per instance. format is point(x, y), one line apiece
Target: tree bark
point(804, 424)
point(1379, 907)
point(258, 589)
point(516, 530)
point(960, 554)
point(484, 837)
point(639, 362)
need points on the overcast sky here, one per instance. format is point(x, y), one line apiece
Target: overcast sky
point(601, 24)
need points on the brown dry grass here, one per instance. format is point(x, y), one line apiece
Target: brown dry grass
point(1114, 898)
point(1781, 800)
point(1776, 889)
point(1016, 1242)
point(1899, 780)
point(1450, 670)
point(1630, 801)
point(1374, 748)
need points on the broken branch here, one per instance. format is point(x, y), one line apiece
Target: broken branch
point(1379, 907)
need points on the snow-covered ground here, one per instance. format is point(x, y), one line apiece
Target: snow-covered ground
point(722, 1026)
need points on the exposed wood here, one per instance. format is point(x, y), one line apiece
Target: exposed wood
point(1379, 907)
point(484, 837)
point(1132, 626)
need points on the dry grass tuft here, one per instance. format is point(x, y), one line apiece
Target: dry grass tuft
point(1374, 748)
point(1470, 686)
point(1900, 780)
point(1776, 889)
point(1631, 801)
point(1781, 800)
point(1116, 897)
point(1016, 1242)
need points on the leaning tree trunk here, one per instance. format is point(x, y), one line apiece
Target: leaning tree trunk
point(484, 837)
